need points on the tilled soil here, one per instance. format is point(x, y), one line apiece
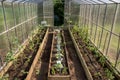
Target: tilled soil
point(41, 69)
point(76, 69)
point(95, 68)
point(21, 65)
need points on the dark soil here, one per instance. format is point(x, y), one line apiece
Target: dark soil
point(22, 64)
point(76, 69)
point(41, 69)
point(95, 68)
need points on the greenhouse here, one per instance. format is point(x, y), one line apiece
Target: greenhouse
point(59, 39)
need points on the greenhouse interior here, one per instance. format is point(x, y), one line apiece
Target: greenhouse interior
point(59, 39)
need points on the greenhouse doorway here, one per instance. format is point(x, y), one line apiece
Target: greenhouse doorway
point(58, 12)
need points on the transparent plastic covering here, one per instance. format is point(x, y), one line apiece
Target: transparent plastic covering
point(102, 18)
point(95, 1)
point(18, 18)
point(31, 1)
point(48, 12)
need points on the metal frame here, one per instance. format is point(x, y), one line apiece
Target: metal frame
point(23, 20)
point(87, 20)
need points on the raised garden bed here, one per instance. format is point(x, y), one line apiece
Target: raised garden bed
point(95, 63)
point(58, 64)
point(19, 67)
point(37, 57)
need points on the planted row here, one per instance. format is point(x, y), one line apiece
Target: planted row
point(58, 66)
point(21, 64)
point(94, 60)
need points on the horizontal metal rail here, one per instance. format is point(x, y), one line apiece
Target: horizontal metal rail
point(18, 25)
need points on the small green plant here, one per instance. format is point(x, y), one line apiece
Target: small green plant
point(15, 43)
point(109, 74)
point(102, 60)
point(53, 70)
point(28, 59)
point(37, 71)
point(16, 79)
point(97, 74)
point(9, 56)
point(97, 54)
point(75, 29)
point(64, 71)
point(5, 77)
point(24, 72)
point(59, 55)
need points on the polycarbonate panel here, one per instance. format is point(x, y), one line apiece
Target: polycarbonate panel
point(2, 28)
point(4, 46)
point(95, 14)
point(9, 15)
point(48, 12)
point(25, 11)
point(97, 37)
point(102, 13)
point(12, 39)
point(110, 16)
point(22, 11)
point(104, 41)
point(117, 23)
point(16, 13)
point(93, 27)
point(74, 14)
point(24, 30)
point(19, 34)
point(112, 52)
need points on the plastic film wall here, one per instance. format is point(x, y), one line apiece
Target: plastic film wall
point(103, 22)
point(17, 20)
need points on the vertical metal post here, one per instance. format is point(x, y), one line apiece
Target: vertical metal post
point(105, 41)
point(118, 51)
point(113, 25)
point(85, 15)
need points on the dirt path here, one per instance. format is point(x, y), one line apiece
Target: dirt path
point(43, 63)
point(77, 71)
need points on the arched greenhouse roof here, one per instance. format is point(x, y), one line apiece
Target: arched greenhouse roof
point(22, 1)
point(96, 1)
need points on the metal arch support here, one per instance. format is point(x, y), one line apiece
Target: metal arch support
point(102, 1)
point(87, 2)
point(113, 1)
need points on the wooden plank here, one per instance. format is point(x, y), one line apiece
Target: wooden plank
point(37, 56)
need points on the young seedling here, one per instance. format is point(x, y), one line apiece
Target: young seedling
point(97, 74)
point(5, 77)
point(64, 71)
point(9, 56)
point(24, 72)
point(53, 71)
point(109, 74)
point(102, 60)
point(37, 72)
